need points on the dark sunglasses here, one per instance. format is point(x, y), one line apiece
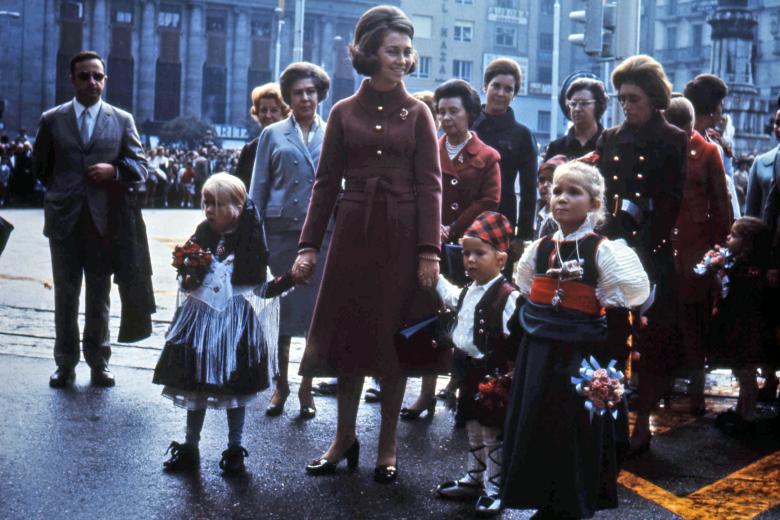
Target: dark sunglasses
point(85, 76)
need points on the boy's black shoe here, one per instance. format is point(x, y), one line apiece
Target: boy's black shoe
point(233, 460)
point(184, 457)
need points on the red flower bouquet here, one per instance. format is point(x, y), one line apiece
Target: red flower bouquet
point(191, 263)
point(493, 397)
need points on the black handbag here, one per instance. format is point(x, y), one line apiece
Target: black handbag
point(5, 232)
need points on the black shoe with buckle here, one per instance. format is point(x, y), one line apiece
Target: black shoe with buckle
point(62, 377)
point(102, 377)
point(410, 414)
point(232, 461)
point(184, 457)
point(488, 505)
point(325, 467)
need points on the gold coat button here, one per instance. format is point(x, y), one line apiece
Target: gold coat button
point(380, 108)
point(614, 177)
point(379, 152)
point(616, 158)
point(637, 194)
point(639, 176)
point(378, 128)
point(641, 158)
point(454, 206)
point(454, 182)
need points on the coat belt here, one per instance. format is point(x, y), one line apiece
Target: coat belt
point(370, 188)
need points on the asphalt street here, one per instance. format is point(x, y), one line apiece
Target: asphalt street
point(94, 453)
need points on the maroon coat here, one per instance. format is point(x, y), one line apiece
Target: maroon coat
point(704, 219)
point(383, 146)
point(471, 184)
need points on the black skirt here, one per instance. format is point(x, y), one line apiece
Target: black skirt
point(555, 457)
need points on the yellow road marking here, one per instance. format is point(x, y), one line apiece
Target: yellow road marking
point(745, 493)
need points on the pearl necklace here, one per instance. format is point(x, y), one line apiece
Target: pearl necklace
point(453, 151)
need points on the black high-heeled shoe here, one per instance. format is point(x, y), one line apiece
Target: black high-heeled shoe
point(410, 414)
point(325, 467)
point(307, 412)
point(275, 410)
point(386, 473)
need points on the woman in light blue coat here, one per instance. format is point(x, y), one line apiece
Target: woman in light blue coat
point(287, 155)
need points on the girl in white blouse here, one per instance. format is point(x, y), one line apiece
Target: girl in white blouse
point(578, 289)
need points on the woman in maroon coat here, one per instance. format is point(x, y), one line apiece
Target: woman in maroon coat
point(471, 184)
point(704, 220)
point(381, 142)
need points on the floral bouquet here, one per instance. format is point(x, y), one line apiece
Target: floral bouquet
point(602, 387)
point(492, 398)
point(192, 263)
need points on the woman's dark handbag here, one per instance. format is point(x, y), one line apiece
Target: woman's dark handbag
point(424, 342)
point(5, 232)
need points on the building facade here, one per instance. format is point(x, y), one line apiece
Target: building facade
point(167, 58)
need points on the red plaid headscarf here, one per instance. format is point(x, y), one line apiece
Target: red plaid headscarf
point(492, 228)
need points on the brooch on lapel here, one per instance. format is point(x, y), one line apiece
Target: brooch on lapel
point(460, 158)
point(404, 114)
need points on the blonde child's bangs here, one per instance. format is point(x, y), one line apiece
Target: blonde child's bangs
point(586, 177)
point(227, 190)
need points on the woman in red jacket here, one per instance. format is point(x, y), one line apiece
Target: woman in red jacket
point(471, 184)
point(703, 221)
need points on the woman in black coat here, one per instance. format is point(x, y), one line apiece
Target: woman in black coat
point(586, 101)
point(643, 162)
point(267, 107)
point(497, 127)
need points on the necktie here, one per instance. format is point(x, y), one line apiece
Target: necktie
point(84, 127)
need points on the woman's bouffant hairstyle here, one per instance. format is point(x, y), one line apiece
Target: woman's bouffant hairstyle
point(267, 91)
point(756, 242)
point(680, 113)
point(706, 92)
point(589, 179)
point(503, 66)
point(304, 70)
point(457, 88)
point(593, 86)
point(371, 30)
point(228, 191)
point(646, 73)
point(426, 96)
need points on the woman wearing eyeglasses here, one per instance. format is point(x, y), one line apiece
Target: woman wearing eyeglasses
point(586, 101)
point(643, 162)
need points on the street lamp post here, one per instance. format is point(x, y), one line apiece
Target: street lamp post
point(555, 67)
point(279, 24)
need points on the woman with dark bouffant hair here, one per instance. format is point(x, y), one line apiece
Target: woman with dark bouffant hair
point(644, 166)
point(287, 155)
point(380, 145)
point(586, 102)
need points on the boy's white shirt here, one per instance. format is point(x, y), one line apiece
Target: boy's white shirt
point(622, 281)
point(463, 335)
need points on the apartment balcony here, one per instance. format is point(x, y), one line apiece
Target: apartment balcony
point(696, 54)
point(674, 10)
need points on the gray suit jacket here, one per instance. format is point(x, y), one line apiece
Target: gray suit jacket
point(60, 160)
point(759, 180)
point(284, 174)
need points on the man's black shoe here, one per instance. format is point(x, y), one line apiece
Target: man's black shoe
point(102, 377)
point(62, 377)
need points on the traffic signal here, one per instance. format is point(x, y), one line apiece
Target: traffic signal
point(593, 18)
point(626, 41)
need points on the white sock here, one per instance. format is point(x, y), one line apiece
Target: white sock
point(475, 463)
point(493, 444)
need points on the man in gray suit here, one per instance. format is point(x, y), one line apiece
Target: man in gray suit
point(84, 149)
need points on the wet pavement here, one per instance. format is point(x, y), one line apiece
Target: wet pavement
point(97, 453)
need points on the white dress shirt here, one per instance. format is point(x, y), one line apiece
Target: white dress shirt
point(621, 282)
point(316, 125)
point(93, 112)
point(463, 335)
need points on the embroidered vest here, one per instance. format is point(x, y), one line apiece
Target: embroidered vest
point(488, 316)
point(580, 294)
